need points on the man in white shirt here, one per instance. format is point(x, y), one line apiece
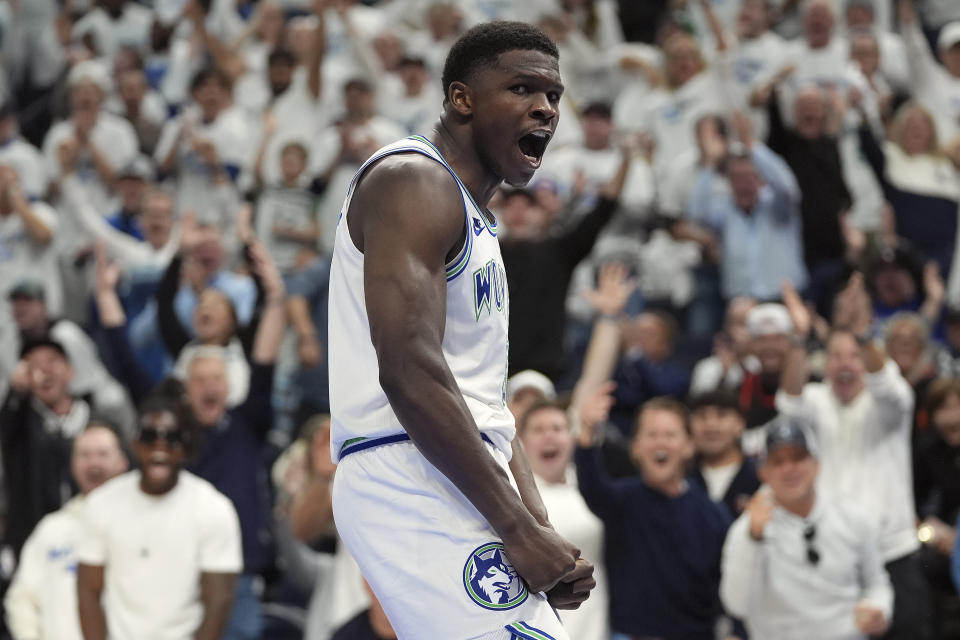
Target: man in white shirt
point(161, 547)
point(862, 413)
point(41, 603)
point(797, 564)
point(16, 152)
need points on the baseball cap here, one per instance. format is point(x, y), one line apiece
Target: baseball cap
point(785, 431)
point(139, 167)
point(949, 35)
point(43, 342)
point(531, 379)
point(767, 319)
point(27, 289)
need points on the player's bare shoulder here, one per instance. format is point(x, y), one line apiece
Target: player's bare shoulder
point(406, 192)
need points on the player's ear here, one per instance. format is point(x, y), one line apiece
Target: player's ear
point(460, 98)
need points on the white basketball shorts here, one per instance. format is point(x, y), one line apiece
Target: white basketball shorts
point(432, 560)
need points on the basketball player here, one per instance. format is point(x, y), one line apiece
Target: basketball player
point(433, 495)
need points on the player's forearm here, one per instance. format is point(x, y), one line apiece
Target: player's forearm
point(423, 393)
point(527, 485)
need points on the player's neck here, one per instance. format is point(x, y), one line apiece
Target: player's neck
point(459, 151)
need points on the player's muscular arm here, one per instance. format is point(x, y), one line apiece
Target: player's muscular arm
point(407, 218)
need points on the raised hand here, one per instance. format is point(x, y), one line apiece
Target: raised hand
point(799, 313)
point(933, 286)
point(108, 272)
point(594, 410)
point(266, 269)
point(613, 289)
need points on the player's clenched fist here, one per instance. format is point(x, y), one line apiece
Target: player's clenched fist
point(574, 588)
point(541, 556)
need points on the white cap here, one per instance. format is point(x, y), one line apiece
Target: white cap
point(949, 35)
point(90, 71)
point(531, 379)
point(769, 318)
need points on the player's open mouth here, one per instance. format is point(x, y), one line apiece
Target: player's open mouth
point(661, 457)
point(533, 145)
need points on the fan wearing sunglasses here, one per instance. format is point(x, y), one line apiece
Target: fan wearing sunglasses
point(160, 550)
point(798, 564)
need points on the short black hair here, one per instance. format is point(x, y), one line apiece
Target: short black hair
point(171, 396)
point(480, 47)
point(211, 72)
point(598, 108)
point(282, 55)
point(719, 399)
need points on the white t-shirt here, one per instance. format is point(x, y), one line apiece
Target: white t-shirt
point(115, 139)
point(153, 550)
point(42, 601)
point(196, 188)
point(718, 479)
point(21, 257)
point(109, 36)
point(574, 521)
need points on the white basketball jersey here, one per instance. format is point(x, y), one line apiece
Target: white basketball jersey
point(474, 340)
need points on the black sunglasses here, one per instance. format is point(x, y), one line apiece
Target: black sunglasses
point(813, 556)
point(150, 435)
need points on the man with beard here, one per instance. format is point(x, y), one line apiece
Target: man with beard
point(161, 548)
point(42, 601)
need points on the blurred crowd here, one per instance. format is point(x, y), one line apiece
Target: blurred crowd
point(734, 319)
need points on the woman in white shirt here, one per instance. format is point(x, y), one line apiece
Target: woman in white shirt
point(548, 442)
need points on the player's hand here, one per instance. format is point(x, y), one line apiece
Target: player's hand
point(870, 620)
point(541, 556)
point(574, 588)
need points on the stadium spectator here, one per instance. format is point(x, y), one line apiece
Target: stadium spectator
point(758, 224)
point(92, 143)
point(204, 150)
point(936, 86)
point(769, 327)
point(160, 548)
point(862, 414)
point(527, 389)
point(539, 266)
point(19, 154)
point(936, 485)
point(907, 342)
point(919, 182)
point(32, 322)
point(664, 534)
point(724, 370)
point(27, 234)
point(42, 600)
point(798, 561)
point(719, 467)
point(38, 420)
point(231, 442)
point(369, 624)
point(544, 429)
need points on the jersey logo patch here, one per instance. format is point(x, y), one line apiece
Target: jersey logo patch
point(490, 579)
point(477, 226)
point(489, 287)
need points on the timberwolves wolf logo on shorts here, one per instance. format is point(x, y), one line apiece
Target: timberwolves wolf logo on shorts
point(490, 579)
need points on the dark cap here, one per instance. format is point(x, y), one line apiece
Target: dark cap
point(27, 289)
point(43, 342)
point(602, 109)
point(788, 430)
